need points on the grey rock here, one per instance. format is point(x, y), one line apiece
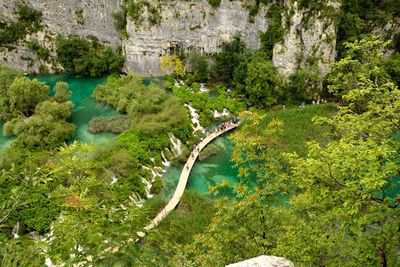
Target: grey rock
point(59, 18)
point(189, 25)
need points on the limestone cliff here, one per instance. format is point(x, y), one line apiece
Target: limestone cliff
point(310, 39)
point(183, 25)
point(81, 17)
point(189, 25)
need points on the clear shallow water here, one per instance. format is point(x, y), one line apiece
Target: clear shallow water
point(5, 141)
point(206, 173)
point(85, 108)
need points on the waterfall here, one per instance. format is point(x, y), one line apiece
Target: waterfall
point(48, 262)
point(203, 88)
point(114, 180)
point(147, 188)
point(195, 119)
point(224, 113)
point(176, 144)
point(15, 230)
point(165, 162)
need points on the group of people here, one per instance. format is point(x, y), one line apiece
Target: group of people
point(220, 128)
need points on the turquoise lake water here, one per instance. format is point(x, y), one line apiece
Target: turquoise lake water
point(85, 108)
point(207, 173)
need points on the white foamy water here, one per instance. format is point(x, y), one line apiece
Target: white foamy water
point(147, 188)
point(176, 144)
point(224, 113)
point(203, 88)
point(195, 119)
point(165, 162)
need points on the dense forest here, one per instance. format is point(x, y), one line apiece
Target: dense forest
point(318, 156)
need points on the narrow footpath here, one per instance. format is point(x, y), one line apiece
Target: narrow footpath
point(180, 189)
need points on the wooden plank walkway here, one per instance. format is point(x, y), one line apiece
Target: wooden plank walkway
point(180, 189)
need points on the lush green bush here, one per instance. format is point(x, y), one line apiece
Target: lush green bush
point(392, 67)
point(150, 108)
point(29, 113)
point(83, 56)
point(197, 66)
point(230, 57)
point(116, 124)
point(23, 96)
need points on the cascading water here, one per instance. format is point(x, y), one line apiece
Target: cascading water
point(147, 188)
point(114, 180)
point(15, 230)
point(224, 113)
point(195, 119)
point(176, 144)
point(165, 162)
point(203, 88)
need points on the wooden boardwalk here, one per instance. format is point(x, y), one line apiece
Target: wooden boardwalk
point(180, 189)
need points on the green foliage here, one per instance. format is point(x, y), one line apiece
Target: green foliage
point(214, 3)
point(230, 57)
point(275, 31)
point(30, 114)
point(21, 252)
point(116, 124)
point(337, 199)
point(136, 8)
point(151, 109)
point(7, 77)
point(205, 105)
point(392, 67)
point(197, 65)
point(47, 127)
point(172, 65)
point(42, 52)
point(262, 83)
point(299, 127)
point(23, 96)
point(360, 63)
point(359, 16)
point(28, 21)
point(80, 19)
point(81, 56)
point(305, 85)
point(120, 21)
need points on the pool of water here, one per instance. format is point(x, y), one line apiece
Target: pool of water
point(5, 141)
point(85, 108)
point(205, 173)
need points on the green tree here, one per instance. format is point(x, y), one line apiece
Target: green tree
point(262, 83)
point(7, 77)
point(229, 58)
point(336, 206)
point(24, 94)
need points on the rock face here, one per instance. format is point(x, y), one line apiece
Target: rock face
point(264, 261)
point(184, 26)
point(308, 39)
point(81, 17)
point(189, 25)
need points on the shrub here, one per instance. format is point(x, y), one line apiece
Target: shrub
point(214, 3)
point(81, 56)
